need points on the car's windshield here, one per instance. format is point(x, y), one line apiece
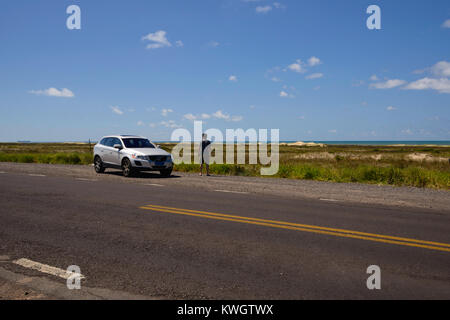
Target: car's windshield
point(137, 143)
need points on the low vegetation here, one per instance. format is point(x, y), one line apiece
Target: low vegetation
point(417, 166)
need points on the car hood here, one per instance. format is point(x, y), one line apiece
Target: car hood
point(148, 152)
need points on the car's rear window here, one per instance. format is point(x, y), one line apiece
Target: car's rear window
point(136, 143)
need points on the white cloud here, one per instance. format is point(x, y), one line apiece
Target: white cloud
point(263, 10)
point(140, 123)
point(407, 131)
point(446, 24)
point(233, 78)
point(374, 78)
point(237, 118)
point(314, 76)
point(223, 116)
point(190, 117)
point(158, 40)
point(391, 108)
point(284, 94)
point(213, 44)
point(179, 44)
point(116, 110)
point(440, 82)
point(388, 84)
point(297, 67)
point(314, 61)
point(441, 85)
point(170, 124)
point(53, 92)
point(279, 5)
point(332, 131)
point(165, 112)
point(220, 115)
point(441, 69)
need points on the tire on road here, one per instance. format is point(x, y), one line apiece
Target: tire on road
point(166, 173)
point(98, 165)
point(127, 168)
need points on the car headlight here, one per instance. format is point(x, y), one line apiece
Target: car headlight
point(142, 157)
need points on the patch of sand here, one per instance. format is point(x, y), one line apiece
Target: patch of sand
point(424, 157)
point(304, 144)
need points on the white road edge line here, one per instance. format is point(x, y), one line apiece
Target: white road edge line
point(83, 179)
point(330, 200)
point(2, 172)
point(36, 175)
point(26, 263)
point(154, 185)
point(228, 191)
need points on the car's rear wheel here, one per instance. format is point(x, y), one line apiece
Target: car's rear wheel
point(98, 165)
point(166, 173)
point(127, 168)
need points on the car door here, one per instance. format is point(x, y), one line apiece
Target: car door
point(100, 149)
point(103, 149)
point(115, 153)
point(107, 154)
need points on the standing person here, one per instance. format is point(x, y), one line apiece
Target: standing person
point(205, 153)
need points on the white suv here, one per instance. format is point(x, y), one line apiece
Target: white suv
point(131, 154)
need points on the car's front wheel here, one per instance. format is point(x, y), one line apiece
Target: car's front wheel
point(98, 165)
point(127, 168)
point(166, 173)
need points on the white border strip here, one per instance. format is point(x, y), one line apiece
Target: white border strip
point(26, 263)
point(228, 191)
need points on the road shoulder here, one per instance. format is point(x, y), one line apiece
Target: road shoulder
point(286, 188)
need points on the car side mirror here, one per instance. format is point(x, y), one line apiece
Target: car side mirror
point(118, 146)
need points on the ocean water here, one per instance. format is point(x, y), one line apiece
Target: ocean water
point(381, 143)
point(357, 143)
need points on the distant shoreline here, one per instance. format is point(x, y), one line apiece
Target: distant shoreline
point(395, 143)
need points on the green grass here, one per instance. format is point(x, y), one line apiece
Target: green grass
point(390, 175)
point(57, 158)
point(386, 165)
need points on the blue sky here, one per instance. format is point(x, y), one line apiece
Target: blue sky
point(310, 68)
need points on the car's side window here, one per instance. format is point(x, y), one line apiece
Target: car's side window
point(116, 141)
point(109, 142)
point(103, 142)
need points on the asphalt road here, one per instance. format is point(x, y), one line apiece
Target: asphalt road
point(156, 240)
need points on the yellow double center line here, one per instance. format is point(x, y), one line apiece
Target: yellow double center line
point(305, 228)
